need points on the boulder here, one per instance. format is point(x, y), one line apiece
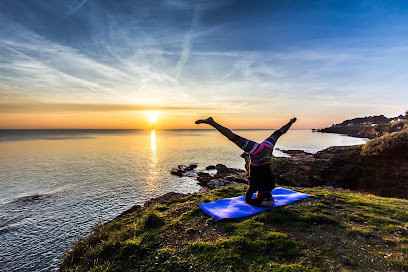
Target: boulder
point(164, 198)
point(223, 171)
point(177, 172)
point(182, 169)
point(223, 177)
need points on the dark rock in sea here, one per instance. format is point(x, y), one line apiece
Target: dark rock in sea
point(203, 174)
point(203, 181)
point(223, 177)
point(203, 178)
point(223, 171)
point(182, 169)
point(210, 167)
point(177, 172)
point(234, 178)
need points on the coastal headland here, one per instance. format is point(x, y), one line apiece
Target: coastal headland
point(369, 127)
point(347, 224)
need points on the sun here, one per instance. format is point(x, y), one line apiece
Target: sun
point(153, 117)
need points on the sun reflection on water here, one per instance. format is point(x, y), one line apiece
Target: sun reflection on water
point(153, 144)
point(153, 171)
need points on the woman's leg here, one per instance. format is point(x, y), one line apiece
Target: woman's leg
point(244, 144)
point(271, 140)
point(223, 130)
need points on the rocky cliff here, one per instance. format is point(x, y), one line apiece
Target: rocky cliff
point(379, 167)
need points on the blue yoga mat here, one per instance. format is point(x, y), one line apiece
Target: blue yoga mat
point(236, 207)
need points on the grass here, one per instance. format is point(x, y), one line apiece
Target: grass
point(334, 230)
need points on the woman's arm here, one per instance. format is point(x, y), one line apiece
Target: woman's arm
point(252, 201)
point(248, 195)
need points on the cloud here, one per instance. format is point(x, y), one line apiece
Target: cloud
point(44, 107)
point(74, 7)
point(186, 45)
point(30, 64)
point(187, 53)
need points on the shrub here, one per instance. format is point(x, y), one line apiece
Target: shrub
point(152, 220)
point(394, 144)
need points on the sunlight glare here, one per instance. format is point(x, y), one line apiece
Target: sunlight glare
point(153, 117)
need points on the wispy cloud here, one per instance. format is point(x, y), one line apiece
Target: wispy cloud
point(30, 63)
point(186, 45)
point(42, 107)
point(74, 7)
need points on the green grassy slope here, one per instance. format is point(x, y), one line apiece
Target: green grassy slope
point(333, 230)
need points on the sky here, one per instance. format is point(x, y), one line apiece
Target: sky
point(249, 64)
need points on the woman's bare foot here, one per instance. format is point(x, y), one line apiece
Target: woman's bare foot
point(209, 120)
point(293, 120)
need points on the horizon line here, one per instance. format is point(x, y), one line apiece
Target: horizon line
point(146, 128)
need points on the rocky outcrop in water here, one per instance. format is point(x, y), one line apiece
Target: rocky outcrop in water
point(223, 175)
point(182, 169)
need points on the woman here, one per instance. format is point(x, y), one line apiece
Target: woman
point(261, 179)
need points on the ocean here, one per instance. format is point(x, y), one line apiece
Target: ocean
point(56, 184)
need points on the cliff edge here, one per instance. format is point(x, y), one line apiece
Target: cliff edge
point(334, 230)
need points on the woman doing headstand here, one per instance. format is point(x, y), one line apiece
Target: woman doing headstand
point(261, 179)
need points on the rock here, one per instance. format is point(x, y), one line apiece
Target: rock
point(307, 170)
point(347, 167)
point(210, 167)
point(204, 190)
point(223, 171)
point(217, 183)
point(177, 172)
point(203, 178)
point(236, 179)
point(181, 169)
point(164, 197)
point(221, 168)
point(203, 181)
point(203, 174)
point(367, 127)
point(224, 176)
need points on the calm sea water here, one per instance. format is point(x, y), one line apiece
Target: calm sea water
point(55, 185)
